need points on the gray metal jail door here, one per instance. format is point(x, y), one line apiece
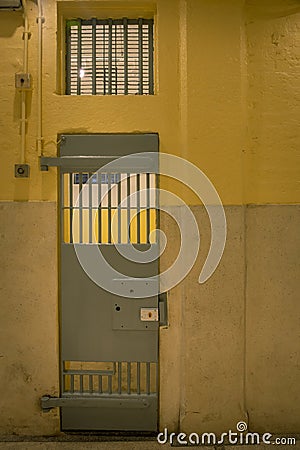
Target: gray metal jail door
point(108, 343)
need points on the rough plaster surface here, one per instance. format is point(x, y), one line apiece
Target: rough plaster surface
point(238, 334)
point(273, 318)
point(28, 320)
point(213, 369)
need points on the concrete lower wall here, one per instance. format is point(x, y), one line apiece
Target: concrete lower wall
point(231, 348)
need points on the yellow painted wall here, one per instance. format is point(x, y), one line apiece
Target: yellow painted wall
point(219, 79)
point(227, 98)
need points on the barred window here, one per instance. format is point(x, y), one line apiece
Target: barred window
point(109, 57)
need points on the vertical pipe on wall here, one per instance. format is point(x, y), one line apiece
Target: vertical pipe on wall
point(23, 92)
point(40, 21)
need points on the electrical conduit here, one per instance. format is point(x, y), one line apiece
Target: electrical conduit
point(23, 92)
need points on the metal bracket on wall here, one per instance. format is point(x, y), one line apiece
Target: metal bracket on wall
point(22, 170)
point(163, 309)
point(108, 401)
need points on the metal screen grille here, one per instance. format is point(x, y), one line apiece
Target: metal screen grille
point(109, 57)
point(116, 378)
point(117, 218)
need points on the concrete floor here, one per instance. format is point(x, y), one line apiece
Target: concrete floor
point(137, 445)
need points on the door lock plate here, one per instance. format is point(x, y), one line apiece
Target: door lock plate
point(149, 314)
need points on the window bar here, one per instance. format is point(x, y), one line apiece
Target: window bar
point(68, 60)
point(64, 383)
point(128, 378)
point(148, 378)
point(71, 205)
point(140, 45)
point(81, 383)
point(119, 377)
point(80, 207)
point(150, 60)
point(125, 25)
point(138, 377)
point(90, 208)
point(100, 384)
point(110, 57)
point(138, 205)
point(99, 179)
point(115, 61)
point(109, 208)
point(128, 208)
point(109, 384)
point(94, 68)
point(148, 208)
point(104, 68)
point(119, 211)
point(79, 58)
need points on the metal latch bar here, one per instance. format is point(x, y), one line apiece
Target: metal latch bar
point(48, 402)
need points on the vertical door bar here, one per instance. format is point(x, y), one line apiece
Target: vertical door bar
point(90, 208)
point(119, 377)
point(71, 175)
point(119, 211)
point(72, 384)
point(128, 208)
point(148, 378)
point(148, 208)
point(109, 384)
point(138, 377)
point(81, 384)
point(109, 208)
point(100, 384)
point(138, 207)
point(99, 179)
point(80, 207)
point(128, 378)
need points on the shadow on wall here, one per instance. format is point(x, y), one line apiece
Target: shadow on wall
point(274, 8)
point(10, 21)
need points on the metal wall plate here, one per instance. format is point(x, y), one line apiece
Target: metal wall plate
point(149, 315)
point(23, 81)
point(22, 170)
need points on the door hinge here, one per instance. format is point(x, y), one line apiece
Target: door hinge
point(163, 309)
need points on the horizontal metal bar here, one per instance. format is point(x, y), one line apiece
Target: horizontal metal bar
point(131, 164)
point(89, 372)
point(120, 401)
